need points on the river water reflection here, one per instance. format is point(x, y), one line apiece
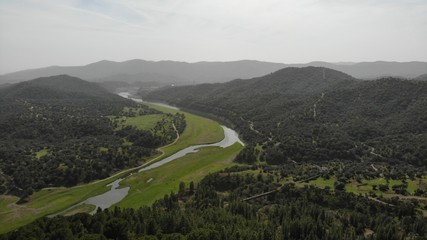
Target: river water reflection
point(116, 194)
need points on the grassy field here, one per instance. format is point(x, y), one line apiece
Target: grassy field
point(199, 130)
point(322, 183)
point(150, 185)
point(145, 122)
point(417, 183)
point(366, 186)
point(80, 209)
point(44, 202)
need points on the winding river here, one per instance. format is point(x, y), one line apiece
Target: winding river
point(116, 194)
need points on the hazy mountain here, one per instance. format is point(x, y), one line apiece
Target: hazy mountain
point(316, 113)
point(373, 70)
point(171, 72)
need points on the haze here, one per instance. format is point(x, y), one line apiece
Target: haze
point(75, 32)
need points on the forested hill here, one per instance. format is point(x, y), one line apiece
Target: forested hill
point(59, 87)
point(61, 131)
point(422, 77)
point(287, 81)
point(317, 114)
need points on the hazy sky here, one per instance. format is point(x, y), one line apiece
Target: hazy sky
point(38, 33)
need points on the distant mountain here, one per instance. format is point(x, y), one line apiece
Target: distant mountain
point(373, 70)
point(168, 72)
point(180, 73)
point(316, 114)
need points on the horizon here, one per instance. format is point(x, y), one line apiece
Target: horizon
point(342, 63)
point(37, 34)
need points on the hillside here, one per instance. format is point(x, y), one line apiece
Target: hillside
point(422, 77)
point(374, 70)
point(59, 87)
point(59, 131)
point(317, 114)
point(179, 73)
point(216, 210)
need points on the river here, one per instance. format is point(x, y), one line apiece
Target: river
point(116, 194)
point(230, 137)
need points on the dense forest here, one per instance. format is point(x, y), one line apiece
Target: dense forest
point(218, 208)
point(316, 114)
point(60, 131)
point(302, 127)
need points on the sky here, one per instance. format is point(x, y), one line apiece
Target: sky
point(40, 33)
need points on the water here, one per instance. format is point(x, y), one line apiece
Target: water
point(230, 137)
point(127, 95)
point(109, 198)
point(115, 194)
point(104, 200)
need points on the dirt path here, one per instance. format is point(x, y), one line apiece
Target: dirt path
point(315, 105)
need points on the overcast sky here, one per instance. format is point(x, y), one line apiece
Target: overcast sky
point(39, 33)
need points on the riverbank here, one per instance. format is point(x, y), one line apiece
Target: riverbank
point(199, 130)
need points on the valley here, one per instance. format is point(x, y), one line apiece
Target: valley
point(213, 120)
point(326, 155)
point(188, 168)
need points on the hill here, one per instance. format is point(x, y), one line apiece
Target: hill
point(58, 131)
point(179, 73)
point(317, 114)
point(59, 87)
point(374, 70)
point(422, 77)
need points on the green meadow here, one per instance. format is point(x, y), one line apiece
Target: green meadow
point(193, 167)
point(144, 122)
point(153, 184)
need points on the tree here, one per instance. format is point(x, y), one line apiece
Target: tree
point(116, 228)
point(339, 186)
point(191, 191)
point(181, 190)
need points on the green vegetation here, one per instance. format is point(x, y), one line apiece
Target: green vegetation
point(148, 186)
point(145, 122)
point(50, 127)
point(316, 114)
point(5, 200)
point(44, 202)
point(198, 130)
point(216, 210)
point(417, 183)
point(332, 153)
point(322, 183)
point(84, 208)
point(41, 153)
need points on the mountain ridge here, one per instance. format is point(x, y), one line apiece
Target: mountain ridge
point(175, 72)
point(304, 117)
